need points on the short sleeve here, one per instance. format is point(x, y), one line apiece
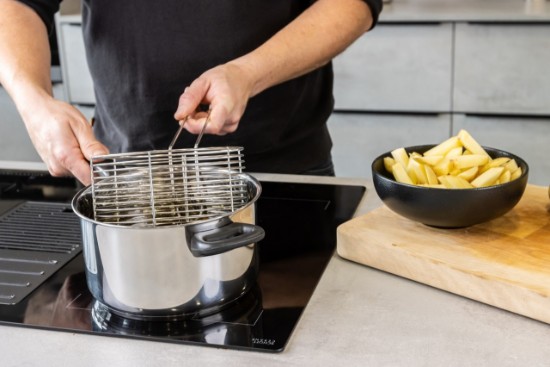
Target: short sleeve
point(375, 8)
point(45, 9)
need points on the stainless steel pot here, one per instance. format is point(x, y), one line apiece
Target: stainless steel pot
point(171, 271)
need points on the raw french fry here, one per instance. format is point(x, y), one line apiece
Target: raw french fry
point(469, 174)
point(438, 186)
point(412, 174)
point(443, 168)
point(488, 177)
point(455, 152)
point(500, 161)
point(453, 182)
point(511, 166)
point(459, 162)
point(468, 161)
point(504, 177)
point(400, 174)
point(431, 176)
point(431, 160)
point(388, 163)
point(470, 143)
point(419, 172)
point(400, 155)
point(497, 162)
point(443, 148)
point(516, 174)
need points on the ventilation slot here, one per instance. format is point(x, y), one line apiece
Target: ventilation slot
point(36, 240)
point(36, 226)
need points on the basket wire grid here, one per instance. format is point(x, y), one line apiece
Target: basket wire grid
point(168, 187)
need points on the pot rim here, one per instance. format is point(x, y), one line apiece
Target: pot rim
point(87, 190)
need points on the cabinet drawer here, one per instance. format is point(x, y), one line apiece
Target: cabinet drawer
point(397, 67)
point(76, 75)
point(523, 136)
point(358, 138)
point(502, 68)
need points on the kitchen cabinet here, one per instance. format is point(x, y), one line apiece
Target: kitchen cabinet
point(359, 138)
point(396, 67)
point(457, 65)
point(502, 68)
point(526, 137)
point(74, 66)
point(15, 143)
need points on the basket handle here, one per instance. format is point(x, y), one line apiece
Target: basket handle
point(222, 239)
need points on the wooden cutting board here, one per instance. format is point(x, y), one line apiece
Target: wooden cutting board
point(504, 262)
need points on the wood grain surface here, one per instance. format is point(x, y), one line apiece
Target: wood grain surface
point(504, 262)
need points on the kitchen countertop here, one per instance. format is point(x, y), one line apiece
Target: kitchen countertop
point(357, 316)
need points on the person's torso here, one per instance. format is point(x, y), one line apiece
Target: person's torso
point(142, 54)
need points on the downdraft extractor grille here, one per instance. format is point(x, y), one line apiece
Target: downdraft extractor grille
point(37, 226)
point(36, 240)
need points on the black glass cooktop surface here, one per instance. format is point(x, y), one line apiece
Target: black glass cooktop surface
point(300, 222)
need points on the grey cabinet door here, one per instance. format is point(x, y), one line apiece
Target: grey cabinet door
point(15, 144)
point(502, 68)
point(397, 67)
point(526, 137)
point(358, 138)
point(76, 75)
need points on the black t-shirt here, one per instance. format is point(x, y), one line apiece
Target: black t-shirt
point(142, 54)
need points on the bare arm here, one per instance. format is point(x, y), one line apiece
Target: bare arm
point(321, 32)
point(24, 51)
point(59, 132)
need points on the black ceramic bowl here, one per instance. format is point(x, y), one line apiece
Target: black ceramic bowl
point(448, 208)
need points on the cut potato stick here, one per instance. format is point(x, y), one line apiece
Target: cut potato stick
point(431, 160)
point(400, 174)
point(505, 177)
point(488, 177)
point(469, 174)
point(458, 162)
point(516, 174)
point(453, 182)
point(468, 161)
point(400, 155)
point(444, 148)
point(419, 171)
point(431, 176)
point(388, 163)
point(470, 143)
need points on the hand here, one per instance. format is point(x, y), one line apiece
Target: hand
point(226, 89)
point(63, 138)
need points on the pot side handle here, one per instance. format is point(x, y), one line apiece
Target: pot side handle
point(219, 240)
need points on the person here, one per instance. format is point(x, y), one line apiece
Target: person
point(263, 68)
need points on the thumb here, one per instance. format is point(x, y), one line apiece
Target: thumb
point(89, 145)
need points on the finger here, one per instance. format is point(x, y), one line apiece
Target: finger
point(221, 121)
point(191, 98)
point(80, 168)
point(78, 162)
point(68, 160)
point(195, 122)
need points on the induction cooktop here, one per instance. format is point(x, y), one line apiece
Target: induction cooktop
point(43, 285)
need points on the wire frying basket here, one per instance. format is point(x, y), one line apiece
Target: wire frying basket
point(167, 187)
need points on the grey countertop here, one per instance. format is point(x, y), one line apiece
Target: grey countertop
point(358, 316)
